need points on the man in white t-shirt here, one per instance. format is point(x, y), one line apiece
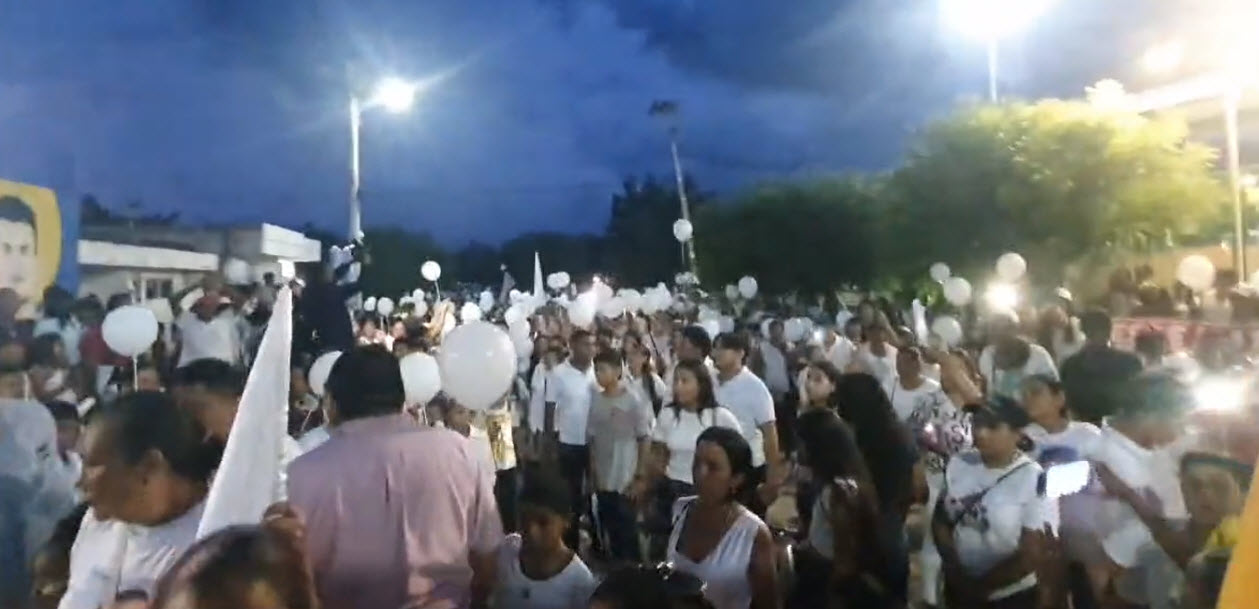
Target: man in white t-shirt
point(1149, 417)
point(838, 349)
point(911, 391)
point(209, 331)
point(571, 388)
point(743, 394)
point(877, 356)
point(1009, 358)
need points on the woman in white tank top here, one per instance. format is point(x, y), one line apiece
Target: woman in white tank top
point(715, 537)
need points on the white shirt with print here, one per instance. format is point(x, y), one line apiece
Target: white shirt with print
point(218, 338)
point(1009, 383)
point(906, 402)
point(990, 531)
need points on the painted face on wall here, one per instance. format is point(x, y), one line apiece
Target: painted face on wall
point(19, 268)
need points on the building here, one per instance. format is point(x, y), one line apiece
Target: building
point(157, 261)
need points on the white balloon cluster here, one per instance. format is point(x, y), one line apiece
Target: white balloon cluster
point(558, 281)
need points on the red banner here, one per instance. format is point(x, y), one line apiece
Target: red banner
point(1182, 334)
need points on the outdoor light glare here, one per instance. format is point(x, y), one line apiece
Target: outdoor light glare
point(1163, 58)
point(394, 94)
point(1219, 394)
point(1002, 296)
point(992, 19)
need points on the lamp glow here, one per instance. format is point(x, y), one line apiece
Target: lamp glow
point(395, 94)
point(992, 19)
point(1002, 296)
point(1163, 58)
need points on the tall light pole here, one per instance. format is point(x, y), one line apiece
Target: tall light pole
point(669, 110)
point(990, 21)
point(392, 94)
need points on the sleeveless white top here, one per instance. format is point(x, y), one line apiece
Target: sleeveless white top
point(725, 569)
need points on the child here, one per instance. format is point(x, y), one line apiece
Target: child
point(535, 569)
point(618, 427)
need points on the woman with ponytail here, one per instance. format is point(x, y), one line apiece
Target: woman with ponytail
point(716, 537)
point(146, 472)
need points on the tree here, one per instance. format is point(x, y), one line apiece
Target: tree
point(479, 263)
point(1058, 181)
point(808, 237)
point(578, 255)
point(640, 247)
point(396, 259)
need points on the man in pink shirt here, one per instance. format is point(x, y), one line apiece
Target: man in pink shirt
point(397, 515)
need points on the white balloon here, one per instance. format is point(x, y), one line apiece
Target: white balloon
point(706, 313)
point(748, 287)
point(431, 270)
point(712, 327)
point(470, 312)
point(236, 272)
point(1011, 267)
point(940, 272)
point(682, 230)
point(581, 312)
point(948, 329)
point(421, 308)
point(130, 331)
point(603, 293)
point(486, 301)
point(384, 305)
point(957, 291)
point(317, 377)
point(421, 377)
point(726, 323)
point(417, 294)
point(516, 296)
point(369, 304)
point(614, 307)
point(478, 362)
point(732, 291)
point(564, 280)
point(553, 281)
point(1197, 272)
point(794, 330)
point(632, 298)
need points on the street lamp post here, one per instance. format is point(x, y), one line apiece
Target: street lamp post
point(667, 109)
point(991, 21)
point(392, 94)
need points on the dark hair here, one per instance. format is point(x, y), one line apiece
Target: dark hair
point(739, 453)
point(832, 453)
point(833, 374)
point(734, 341)
point(58, 304)
point(1153, 396)
point(609, 357)
point(43, 350)
point(578, 334)
point(366, 382)
point(1151, 343)
point(115, 301)
point(546, 489)
point(62, 411)
point(648, 373)
point(224, 569)
point(707, 396)
point(150, 420)
point(648, 587)
point(1096, 324)
point(1053, 385)
point(14, 209)
point(214, 375)
point(885, 443)
point(698, 336)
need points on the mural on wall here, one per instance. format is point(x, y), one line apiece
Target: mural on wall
point(30, 241)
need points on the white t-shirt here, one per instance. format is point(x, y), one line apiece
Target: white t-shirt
point(313, 438)
point(908, 401)
point(1122, 534)
point(218, 338)
point(989, 532)
point(571, 390)
point(635, 385)
point(748, 399)
point(1079, 437)
point(568, 589)
point(111, 557)
point(680, 430)
point(1009, 382)
point(881, 368)
point(841, 353)
point(539, 392)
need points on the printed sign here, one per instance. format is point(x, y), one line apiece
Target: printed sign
point(31, 243)
point(1182, 334)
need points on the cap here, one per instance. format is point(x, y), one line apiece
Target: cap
point(998, 410)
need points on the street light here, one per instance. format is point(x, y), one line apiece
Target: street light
point(394, 95)
point(990, 21)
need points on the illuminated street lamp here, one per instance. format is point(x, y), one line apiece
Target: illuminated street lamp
point(990, 21)
point(394, 95)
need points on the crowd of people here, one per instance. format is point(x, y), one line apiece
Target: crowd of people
point(637, 463)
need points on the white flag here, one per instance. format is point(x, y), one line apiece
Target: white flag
point(539, 288)
point(251, 476)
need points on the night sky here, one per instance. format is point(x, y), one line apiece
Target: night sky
point(234, 110)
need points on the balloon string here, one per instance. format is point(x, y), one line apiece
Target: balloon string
point(438, 288)
point(135, 373)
